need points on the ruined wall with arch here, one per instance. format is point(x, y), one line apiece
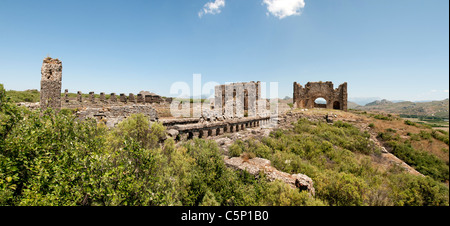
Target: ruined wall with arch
point(304, 97)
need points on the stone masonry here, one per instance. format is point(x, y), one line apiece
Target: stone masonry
point(304, 97)
point(51, 77)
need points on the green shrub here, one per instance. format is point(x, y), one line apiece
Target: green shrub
point(422, 161)
point(411, 190)
point(138, 128)
point(31, 96)
point(410, 123)
point(343, 189)
point(440, 135)
point(383, 117)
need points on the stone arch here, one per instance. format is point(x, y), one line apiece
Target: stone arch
point(320, 105)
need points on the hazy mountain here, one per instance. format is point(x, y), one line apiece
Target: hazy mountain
point(363, 100)
point(431, 108)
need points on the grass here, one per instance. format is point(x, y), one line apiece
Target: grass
point(31, 96)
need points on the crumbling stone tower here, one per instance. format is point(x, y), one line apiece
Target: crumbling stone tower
point(51, 77)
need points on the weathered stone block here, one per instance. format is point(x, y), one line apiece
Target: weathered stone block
point(123, 98)
point(51, 77)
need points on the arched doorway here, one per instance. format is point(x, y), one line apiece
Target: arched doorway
point(320, 103)
point(337, 105)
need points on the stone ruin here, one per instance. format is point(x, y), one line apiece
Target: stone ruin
point(305, 97)
point(235, 107)
point(51, 78)
point(236, 100)
point(110, 110)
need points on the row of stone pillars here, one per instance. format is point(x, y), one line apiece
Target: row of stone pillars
point(113, 98)
point(216, 131)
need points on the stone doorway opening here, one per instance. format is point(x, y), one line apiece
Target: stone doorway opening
point(337, 105)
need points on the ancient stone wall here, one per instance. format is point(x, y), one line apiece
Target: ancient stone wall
point(236, 99)
point(51, 77)
point(112, 115)
point(305, 97)
point(93, 100)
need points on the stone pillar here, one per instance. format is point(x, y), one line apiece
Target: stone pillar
point(219, 131)
point(123, 98)
point(204, 133)
point(102, 97)
point(140, 98)
point(51, 77)
point(113, 98)
point(148, 99)
point(79, 96)
point(66, 96)
point(91, 97)
point(131, 98)
point(195, 134)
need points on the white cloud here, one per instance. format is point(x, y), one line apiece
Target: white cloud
point(212, 8)
point(284, 8)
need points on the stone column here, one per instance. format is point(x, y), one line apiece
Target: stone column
point(91, 97)
point(51, 77)
point(102, 97)
point(131, 98)
point(123, 98)
point(66, 96)
point(148, 99)
point(113, 98)
point(195, 134)
point(204, 133)
point(79, 96)
point(230, 128)
point(140, 98)
point(213, 132)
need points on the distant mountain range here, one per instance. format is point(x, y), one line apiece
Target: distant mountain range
point(430, 108)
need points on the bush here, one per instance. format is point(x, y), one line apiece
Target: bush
point(410, 123)
point(31, 96)
point(343, 189)
point(411, 190)
point(139, 129)
point(422, 161)
point(383, 117)
point(440, 135)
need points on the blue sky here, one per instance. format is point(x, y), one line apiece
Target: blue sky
point(397, 49)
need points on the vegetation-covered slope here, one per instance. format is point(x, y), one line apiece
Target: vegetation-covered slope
point(54, 159)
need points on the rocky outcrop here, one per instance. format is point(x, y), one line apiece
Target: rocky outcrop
point(256, 165)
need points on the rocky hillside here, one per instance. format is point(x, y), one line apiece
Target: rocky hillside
point(434, 108)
